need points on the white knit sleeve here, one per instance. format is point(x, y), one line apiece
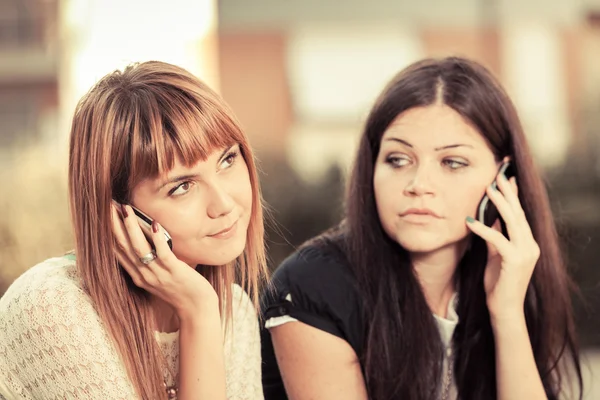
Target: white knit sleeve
point(52, 342)
point(242, 351)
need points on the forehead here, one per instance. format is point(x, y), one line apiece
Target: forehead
point(209, 161)
point(433, 126)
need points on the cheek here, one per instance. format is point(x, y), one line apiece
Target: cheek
point(177, 222)
point(458, 205)
point(388, 191)
point(241, 188)
point(469, 200)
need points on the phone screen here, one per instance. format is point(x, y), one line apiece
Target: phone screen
point(487, 213)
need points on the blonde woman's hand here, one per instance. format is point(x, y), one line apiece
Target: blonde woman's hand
point(511, 260)
point(166, 277)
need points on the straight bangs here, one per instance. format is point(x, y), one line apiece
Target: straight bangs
point(170, 126)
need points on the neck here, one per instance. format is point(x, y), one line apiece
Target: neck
point(435, 271)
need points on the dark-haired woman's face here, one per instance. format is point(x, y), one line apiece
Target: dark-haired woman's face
point(431, 173)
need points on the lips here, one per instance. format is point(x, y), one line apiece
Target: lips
point(419, 211)
point(225, 232)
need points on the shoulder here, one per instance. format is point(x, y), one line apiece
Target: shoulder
point(241, 303)
point(316, 285)
point(317, 268)
point(53, 281)
point(242, 331)
point(244, 316)
point(47, 325)
point(318, 262)
point(242, 349)
point(47, 295)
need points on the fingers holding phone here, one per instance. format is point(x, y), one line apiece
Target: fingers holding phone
point(134, 248)
point(148, 259)
point(141, 243)
point(146, 222)
point(512, 257)
point(487, 212)
point(123, 244)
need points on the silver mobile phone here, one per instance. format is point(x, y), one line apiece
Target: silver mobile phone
point(146, 224)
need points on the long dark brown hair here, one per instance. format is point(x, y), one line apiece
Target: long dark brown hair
point(403, 350)
point(130, 126)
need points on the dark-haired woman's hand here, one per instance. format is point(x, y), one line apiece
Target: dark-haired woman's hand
point(511, 260)
point(166, 277)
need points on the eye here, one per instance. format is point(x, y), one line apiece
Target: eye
point(397, 162)
point(454, 164)
point(181, 189)
point(229, 159)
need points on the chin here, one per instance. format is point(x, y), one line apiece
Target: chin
point(421, 241)
point(426, 242)
point(211, 254)
point(419, 247)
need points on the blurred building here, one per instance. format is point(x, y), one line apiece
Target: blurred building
point(29, 55)
point(302, 75)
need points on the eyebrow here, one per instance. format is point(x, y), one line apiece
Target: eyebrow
point(450, 146)
point(179, 178)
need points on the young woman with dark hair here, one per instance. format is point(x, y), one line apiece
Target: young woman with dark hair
point(411, 297)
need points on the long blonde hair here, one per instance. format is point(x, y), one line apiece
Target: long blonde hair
point(130, 126)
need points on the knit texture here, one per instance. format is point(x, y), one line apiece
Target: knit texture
point(53, 344)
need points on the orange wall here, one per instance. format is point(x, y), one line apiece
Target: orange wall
point(479, 44)
point(253, 81)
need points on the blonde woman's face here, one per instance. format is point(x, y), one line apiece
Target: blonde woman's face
point(205, 208)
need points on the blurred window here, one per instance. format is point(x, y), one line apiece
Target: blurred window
point(337, 71)
point(18, 22)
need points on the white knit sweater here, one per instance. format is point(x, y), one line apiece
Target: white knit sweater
point(53, 344)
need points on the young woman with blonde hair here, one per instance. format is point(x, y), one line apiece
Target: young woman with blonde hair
point(125, 316)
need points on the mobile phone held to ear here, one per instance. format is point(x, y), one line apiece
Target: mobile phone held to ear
point(487, 213)
point(146, 224)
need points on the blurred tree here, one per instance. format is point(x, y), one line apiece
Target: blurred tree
point(298, 210)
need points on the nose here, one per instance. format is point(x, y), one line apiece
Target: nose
point(220, 201)
point(420, 182)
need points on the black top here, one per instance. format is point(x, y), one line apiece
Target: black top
point(323, 294)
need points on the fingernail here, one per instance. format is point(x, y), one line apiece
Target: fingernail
point(124, 210)
point(470, 220)
point(154, 226)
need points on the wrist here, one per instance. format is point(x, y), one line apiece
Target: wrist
point(509, 323)
point(205, 308)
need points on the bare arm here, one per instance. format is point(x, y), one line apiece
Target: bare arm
point(317, 365)
point(517, 375)
point(201, 361)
